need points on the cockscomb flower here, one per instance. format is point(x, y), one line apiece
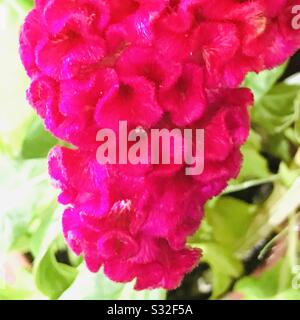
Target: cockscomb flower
point(112, 230)
point(155, 64)
point(164, 208)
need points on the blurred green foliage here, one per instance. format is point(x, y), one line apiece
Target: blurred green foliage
point(237, 227)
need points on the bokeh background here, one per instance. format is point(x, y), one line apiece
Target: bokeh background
point(250, 236)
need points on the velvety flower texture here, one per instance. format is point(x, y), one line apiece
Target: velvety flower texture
point(157, 64)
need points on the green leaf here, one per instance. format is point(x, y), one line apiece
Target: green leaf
point(261, 83)
point(25, 4)
point(259, 287)
point(38, 141)
point(278, 146)
point(51, 277)
point(220, 283)
point(227, 221)
point(277, 110)
point(266, 286)
point(230, 219)
point(205, 233)
point(254, 166)
point(90, 286)
point(221, 259)
point(254, 140)
point(225, 267)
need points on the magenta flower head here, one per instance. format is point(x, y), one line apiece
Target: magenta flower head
point(156, 64)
